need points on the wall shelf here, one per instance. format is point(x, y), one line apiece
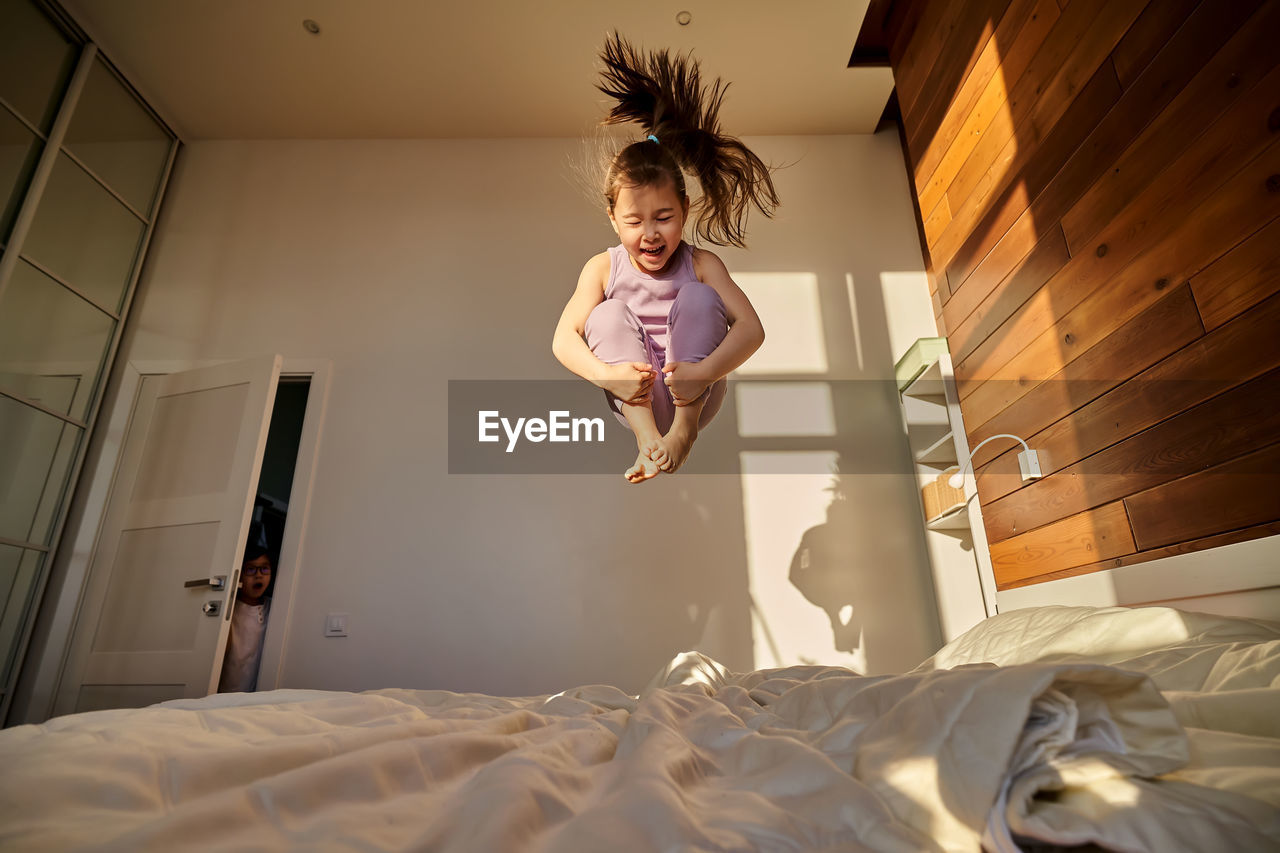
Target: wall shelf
point(928, 385)
point(955, 518)
point(940, 454)
point(964, 583)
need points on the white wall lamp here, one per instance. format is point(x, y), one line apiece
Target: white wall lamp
point(1028, 461)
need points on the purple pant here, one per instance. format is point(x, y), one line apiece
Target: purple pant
point(697, 323)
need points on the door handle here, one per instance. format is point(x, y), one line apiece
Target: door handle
point(215, 582)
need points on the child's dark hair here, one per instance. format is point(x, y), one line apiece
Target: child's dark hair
point(665, 96)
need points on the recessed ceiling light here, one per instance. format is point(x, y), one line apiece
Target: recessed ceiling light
point(683, 18)
point(311, 27)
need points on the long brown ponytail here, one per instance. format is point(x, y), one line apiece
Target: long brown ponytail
point(665, 96)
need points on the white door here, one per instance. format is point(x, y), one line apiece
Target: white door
point(154, 621)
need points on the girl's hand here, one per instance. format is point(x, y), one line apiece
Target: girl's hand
point(630, 382)
point(687, 381)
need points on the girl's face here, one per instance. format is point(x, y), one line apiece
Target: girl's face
point(255, 576)
point(650, 221)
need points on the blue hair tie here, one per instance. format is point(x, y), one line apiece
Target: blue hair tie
point(653, 138)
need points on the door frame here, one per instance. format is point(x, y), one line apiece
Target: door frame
point(292, 557)
point(76, 553)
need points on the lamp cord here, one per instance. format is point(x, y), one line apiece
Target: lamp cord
point(968, 462)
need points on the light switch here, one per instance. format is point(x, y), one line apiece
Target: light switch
point(335, 625)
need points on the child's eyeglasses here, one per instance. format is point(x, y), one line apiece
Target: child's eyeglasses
point(255, 570)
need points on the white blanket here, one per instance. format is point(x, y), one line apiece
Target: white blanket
point(1069, 740)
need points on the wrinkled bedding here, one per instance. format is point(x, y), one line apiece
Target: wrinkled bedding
point(1144, 729)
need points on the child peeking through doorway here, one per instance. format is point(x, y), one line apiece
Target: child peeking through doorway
point(248, 617)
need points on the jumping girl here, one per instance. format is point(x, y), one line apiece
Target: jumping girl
point(655, 305)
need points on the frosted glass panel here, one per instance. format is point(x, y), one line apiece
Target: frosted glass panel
point(36, 61)
point(48, 332)
point(84, 236)
point(19, 151)
point(118, 140)
point(18, 571)
point(36, 452)
point(59, 304)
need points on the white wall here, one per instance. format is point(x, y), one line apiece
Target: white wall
point(409, 263)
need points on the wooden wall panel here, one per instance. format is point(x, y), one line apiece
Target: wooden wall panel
point(1243, 534)
point(1192, 46)
point(1238, 493)
point(947, 54)
point(1199, 106)
point(1214, 432)
point(1068, 60)
point(1219, 361)
point(969, 327)
point(1022, 180)
point(1098, 185)
point(1159, 331)
point(1136, 241)
point(1243, 277)
point(992, 118)
point(1085, 537)
point(935, 120)
point(1154, 27)
point(1211, 228)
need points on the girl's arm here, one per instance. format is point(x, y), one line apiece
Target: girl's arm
point(629, 382)
point(746, 333)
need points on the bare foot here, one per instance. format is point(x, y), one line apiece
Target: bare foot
point(644, 469)
point(677, 443)
point(654, 449)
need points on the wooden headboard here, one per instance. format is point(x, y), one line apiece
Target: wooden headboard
point(1098, 194)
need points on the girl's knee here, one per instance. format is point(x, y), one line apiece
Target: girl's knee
point(614, 333)
point(698, 320)
point(610, 319)
point(698, 296)
point(610, 312)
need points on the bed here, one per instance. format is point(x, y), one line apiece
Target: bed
point(1128, 729)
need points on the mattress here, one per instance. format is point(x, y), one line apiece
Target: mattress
point(1142, 729)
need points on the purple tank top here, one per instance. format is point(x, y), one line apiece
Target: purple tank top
point(649, 296)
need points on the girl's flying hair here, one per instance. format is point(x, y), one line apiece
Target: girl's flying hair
point(665, 96)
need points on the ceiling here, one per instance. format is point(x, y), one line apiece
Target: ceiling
point(247, 69)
